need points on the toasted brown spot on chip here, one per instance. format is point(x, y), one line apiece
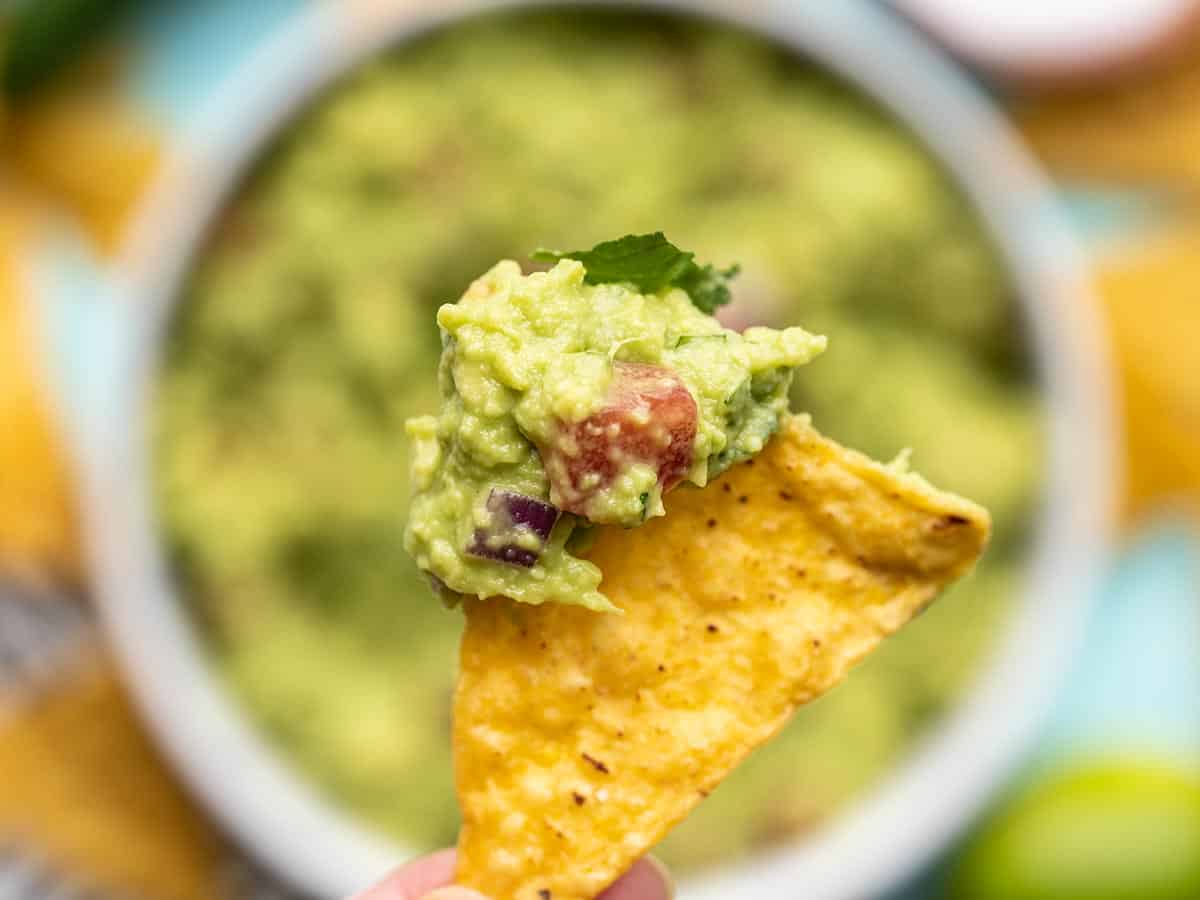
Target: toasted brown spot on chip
point(950, 521)
point(595, 763)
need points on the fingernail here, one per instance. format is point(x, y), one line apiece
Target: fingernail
point(664, 873)
point(454, 892)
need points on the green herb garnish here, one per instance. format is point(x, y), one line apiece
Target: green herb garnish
point(650, 263)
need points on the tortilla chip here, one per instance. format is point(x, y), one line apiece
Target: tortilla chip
point(581, 738)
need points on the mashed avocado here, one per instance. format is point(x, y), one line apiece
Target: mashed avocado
point(591, 399)
point(308, 337)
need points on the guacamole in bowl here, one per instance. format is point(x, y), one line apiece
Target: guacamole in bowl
point(307, 338)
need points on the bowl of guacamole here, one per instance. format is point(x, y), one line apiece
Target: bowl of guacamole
point(293, 334)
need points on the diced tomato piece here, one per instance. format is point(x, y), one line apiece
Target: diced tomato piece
point(648, 417)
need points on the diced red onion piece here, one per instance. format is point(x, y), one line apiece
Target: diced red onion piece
point(508, 510)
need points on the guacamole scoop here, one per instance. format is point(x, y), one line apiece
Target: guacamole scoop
point(567, 404)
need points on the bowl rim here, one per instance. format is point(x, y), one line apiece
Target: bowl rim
point(885, 837)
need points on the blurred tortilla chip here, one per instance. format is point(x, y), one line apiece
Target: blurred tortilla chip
point(1142, 130)
point(580, 738)
point(1149, 288)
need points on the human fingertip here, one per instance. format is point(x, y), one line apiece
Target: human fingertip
point(647, 879)
point(454, 892)
point(415, 879)
point(665, 876)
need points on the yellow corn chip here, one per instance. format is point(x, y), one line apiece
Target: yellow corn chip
point(581, 738)
point(1149, 289)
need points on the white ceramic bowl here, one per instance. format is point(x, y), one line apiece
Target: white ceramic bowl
point(932, 793)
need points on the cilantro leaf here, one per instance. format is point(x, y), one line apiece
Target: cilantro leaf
point(650, 263)
point(708, 286)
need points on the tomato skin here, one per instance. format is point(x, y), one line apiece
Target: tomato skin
point(648, 417)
